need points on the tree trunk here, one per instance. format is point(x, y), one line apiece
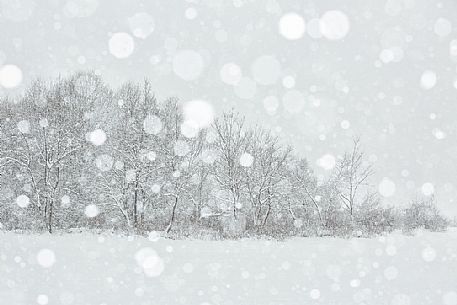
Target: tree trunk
point(51, 206)
point(234, 204)
point(45, 214)
point(268, 209)
point(172, 218)
point(135, 204)
point(264, 222)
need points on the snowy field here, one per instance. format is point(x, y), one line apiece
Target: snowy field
point(85, 269)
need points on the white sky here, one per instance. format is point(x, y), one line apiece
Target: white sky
point(364, 80)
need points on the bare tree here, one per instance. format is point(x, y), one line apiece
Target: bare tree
point(265, 178)
point(132, 150)
point(231, 142)
point(304, 187)
point(180, 157)
point(351, 176)
point(48, 138)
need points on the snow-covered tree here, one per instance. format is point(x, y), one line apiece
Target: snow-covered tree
point(125, 165)
point(351, 177)
point(231, 142)
point(265, 177)
point(49, 137)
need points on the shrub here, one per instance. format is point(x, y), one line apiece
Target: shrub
point(423, 214)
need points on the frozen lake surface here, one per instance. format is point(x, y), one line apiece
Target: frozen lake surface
point(90, 269)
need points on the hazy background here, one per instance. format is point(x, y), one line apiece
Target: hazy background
point(372, 82)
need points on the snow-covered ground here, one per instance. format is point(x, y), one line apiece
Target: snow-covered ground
point(85, 269)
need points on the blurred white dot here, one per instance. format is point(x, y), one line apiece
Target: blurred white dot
point(17, 10)
point(154, 236)
point(97, 137)
point(246, 160)
point(428, 79)
point(91, 211)
point(65, 200)
point(104, 162)
point(188, 268)
point(150, 262)
point(334, 25)
point(155, 59)
point(10, 76)
point(450, 298)
point(46, 258)
point(386, 56)
point(439, 134)
point(66, 298)
point(398, 53)
point(315, 294)
point(271, 104)
point(23, 126)
point(386, 187)
point(355, 283)
point(141, 25)
point(42, 299)
point(327, 162)
point(81, 60)
point(266, 70)
point(231, 74)
point(293, 101)
point(453, 49)
point(152, 124)
point(373, 158)
point(292, 26)
point(345, 124)
point(80, 9)
point(188, 65)
point(428, 254)
point(121, 45)
point(198, 114)
point(391, 273)
point(139, 292)
point(288, 81)
point(190, 13)
point(427, 189)
point(189, 129)
point(23, 201)
point(298, 223)
point(155, 188)
point(246, 88)
point(442, 27)
point(401, 299)
point(181, 148)
point(391, 250)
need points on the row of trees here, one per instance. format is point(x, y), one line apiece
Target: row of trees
point(75, 153)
